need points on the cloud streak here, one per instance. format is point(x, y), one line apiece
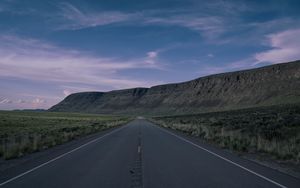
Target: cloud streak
point(75, 19)
point(212, 20)
point(5, 101)
point(34, 103)
point(78, 19)
point(284, 47)
point(209, 26)
point(36, 60)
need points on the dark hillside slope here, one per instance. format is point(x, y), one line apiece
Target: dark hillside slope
point(270, 85)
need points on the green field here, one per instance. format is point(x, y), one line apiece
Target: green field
point(273, 130)
point(23, 132)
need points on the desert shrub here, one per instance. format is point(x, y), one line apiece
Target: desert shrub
point(27, 132)
point(274, 130)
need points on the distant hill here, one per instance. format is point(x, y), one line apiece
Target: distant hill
point(30, 110)
point(265, 86)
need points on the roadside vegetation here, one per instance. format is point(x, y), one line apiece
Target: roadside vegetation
point(26, 132)
point(273, 130)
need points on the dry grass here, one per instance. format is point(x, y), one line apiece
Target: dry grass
point(273, 130)
point(27, 132)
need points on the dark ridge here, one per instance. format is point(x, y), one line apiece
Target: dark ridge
point(265, 86)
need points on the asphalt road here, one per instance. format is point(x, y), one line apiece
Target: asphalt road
point(141, 154)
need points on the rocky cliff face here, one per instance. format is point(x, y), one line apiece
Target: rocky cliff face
point(270, 85)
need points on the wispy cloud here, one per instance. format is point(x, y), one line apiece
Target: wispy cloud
point(210, 19)
point(151, 57)
point(209, 26)
point(38, 103)
point(152, 54)
point(210, 55)
point(78, 19)
point(35, 103)
point(36, 60)
point(66, 92)
point(284, 47)
point(20, 101)
point(5, 101)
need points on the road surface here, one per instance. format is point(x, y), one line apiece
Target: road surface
point(141, 154)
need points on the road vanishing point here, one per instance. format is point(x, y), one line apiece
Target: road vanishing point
point(141, 154)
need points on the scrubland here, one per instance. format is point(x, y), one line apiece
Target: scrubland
point(273, 130)
point(23, 132)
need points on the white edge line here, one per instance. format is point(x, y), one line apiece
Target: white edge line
point(225, 159)
point(60, 156)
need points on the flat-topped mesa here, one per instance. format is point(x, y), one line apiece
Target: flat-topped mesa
point(270, 85)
